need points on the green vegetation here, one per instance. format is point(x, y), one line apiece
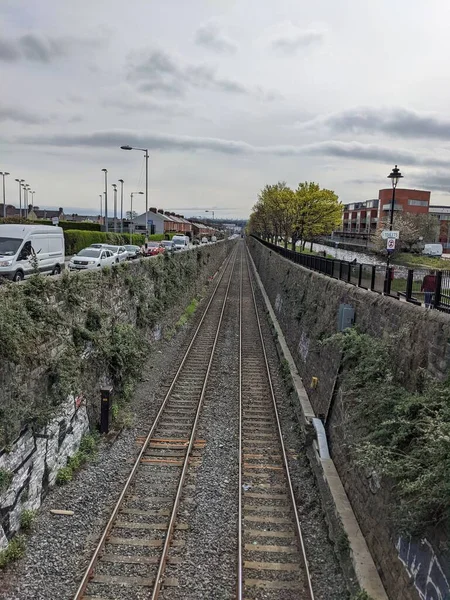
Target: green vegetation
point(76, 240)
point(361, 595)
point(14, 551)
point(86, 226)
point(400, 434)
point(5, 480)
point(27, 518)
point(415, 261)
point(187, 314)
point(300, 214)
point(85, 453)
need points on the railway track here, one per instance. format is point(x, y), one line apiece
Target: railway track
point(133, 551)
point(271, 554)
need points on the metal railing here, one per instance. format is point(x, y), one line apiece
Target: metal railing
point(397, 282)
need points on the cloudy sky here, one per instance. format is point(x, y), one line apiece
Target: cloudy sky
point(227, 95)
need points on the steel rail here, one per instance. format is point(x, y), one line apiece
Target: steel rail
point(280, 435)
point(89, 571)
point(240, 570)
point(168, 539)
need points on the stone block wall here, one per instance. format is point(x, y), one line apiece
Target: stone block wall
point(307, 306)
point(40, 426)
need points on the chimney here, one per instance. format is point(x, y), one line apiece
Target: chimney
point(167, 213)
point(30, 208)
point(160, 210)
point(153, 209)
point(172, 214)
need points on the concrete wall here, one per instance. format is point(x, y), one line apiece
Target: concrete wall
point(307, 305)
point(38, 325)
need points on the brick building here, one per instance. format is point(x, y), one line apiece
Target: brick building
point(364, 217)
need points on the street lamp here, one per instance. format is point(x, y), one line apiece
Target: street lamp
point(131, 215)
point(211, 211)
point(121, 204)
point(26, 189)
point(105, 171)
point(32, 198)
point(101, 207)
point(146, 184)
point(20, 181)
point(114, 186)
point(4, 174)
point(394, 176)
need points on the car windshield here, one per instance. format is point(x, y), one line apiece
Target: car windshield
point(153, 244)
point(131, 248)
point(113, 249)
point(90, 252)
point(9, 246)
point(166, 243)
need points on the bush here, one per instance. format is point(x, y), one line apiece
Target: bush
point(5, 480)
point(64, 475)
point(26, 519)
point(401, 434)
point(14, 551)
point(76, 240)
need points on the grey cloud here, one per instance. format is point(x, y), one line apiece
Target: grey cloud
point(391, 121)
point(438, 181)
point(20, 115)
point(209, 36)
point(291, 43)
point(166, 142)
point(40, 48)
point(139, 105)
point(158, 72)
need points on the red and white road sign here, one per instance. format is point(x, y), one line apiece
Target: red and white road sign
point(390, 244)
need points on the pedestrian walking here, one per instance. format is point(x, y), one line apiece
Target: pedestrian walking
point(429, 288)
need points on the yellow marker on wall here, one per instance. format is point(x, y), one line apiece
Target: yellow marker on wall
point(314, 382)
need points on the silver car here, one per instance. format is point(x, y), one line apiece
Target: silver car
point(118, 251)
point(91, 258)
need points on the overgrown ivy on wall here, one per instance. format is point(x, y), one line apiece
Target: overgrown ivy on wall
point(401, 435)
point(61, 336)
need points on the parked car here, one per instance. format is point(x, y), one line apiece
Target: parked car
point(133, 251)
point(181, 242)
point(152, 249)
point(168, 245)
point(213, 238)
point(204, 240)
point(119, 251)
point(27, 248)
point(92, 258)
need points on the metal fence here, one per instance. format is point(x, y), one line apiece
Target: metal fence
point(397, 282)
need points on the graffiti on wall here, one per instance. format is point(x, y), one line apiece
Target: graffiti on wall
point(424, 568)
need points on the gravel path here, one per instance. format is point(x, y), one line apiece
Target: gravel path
point(59, 547)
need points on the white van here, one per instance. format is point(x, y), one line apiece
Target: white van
point(25, 248)
point(180, 242)
point(433, 250)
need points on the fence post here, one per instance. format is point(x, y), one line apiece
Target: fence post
point(388, 281)
point(372, 279)
point(349, 272)
point(409, 284)
point(360, 274)
point(437, 293)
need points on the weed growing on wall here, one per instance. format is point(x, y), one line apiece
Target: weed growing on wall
point(14, 551)
point(403, 435)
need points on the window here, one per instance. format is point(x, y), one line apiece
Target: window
point(388, 207)
point(417, 202)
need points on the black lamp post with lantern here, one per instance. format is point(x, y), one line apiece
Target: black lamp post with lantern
point(394, 176)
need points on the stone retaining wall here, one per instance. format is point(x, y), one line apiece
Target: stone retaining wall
point(307, 305)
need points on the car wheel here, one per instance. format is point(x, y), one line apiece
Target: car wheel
point(56, 270)
point(18, 276)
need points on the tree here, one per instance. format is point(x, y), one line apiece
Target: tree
point(281, 213)
point(413, 230)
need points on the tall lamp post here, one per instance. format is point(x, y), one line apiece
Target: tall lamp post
point(131, 215)
point(101, 207)
point(211, 211)
point(4, 174)
point(114, 186)
point(394, 176)
point(121, 204)
point(26, 190)
point(146, 184)
point(32, 198)
point(105, 171)
point(20, 181)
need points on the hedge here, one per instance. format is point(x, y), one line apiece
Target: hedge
point(85, 226)
point(76, 240)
